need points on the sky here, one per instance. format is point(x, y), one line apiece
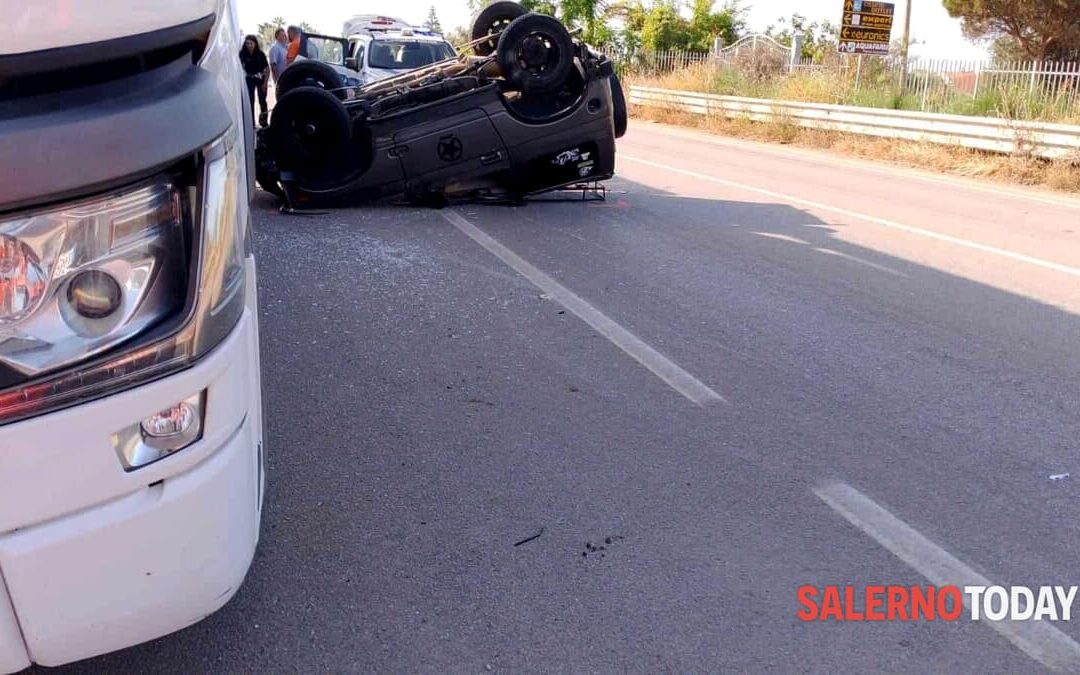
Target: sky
point(938, 35)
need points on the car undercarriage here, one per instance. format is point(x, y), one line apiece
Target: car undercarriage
point(531, 109)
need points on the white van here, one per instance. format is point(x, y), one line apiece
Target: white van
point(131, 456)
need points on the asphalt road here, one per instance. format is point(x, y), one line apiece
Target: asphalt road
point(894, 375)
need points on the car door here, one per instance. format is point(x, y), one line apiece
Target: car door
point(444, 147)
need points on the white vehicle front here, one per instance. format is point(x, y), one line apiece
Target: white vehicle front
point(131, 463)
point(381, 47)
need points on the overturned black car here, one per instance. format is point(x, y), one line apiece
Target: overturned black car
point(529, 111)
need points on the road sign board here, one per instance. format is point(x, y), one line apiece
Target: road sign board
point(869, 7)
point(856, 47)
point(865, 27)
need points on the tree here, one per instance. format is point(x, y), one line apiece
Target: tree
point(663, 29)
point(819, 37)
point(1005, 48)
point(1041, 29)
point(540, 6)
point(589, 16)
point(706, 25)
point(307, 27)
point(458, 36)
point(432, 22)
point(631, 14)
point(265, 31)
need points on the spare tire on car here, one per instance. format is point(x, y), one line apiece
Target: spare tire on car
point(535, 53)
point(308, 74)
point(491, 21)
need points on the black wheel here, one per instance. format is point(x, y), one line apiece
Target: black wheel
point(535, 53)
point(266, 174)
point(491, 21)
point(311, 135)
point(618, 106)
point(308, 74)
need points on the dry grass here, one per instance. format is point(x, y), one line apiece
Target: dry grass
point(1055, 175)
point(875, 91)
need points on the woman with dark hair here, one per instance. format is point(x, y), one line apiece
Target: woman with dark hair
point(256, 71)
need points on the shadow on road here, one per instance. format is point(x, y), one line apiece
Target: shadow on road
point(427, 409)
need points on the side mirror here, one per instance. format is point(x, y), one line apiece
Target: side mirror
point(351, 63)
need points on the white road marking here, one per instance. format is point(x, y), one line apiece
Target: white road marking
point(782, 237)
point(1038, 639)
point(1031, 260)
point(832, 252)
point(998, 189)
point(675, 377)
point(857, 259)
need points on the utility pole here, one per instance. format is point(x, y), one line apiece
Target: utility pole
point(904, 42)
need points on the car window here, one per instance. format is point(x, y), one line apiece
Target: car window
point(403, 54)
point(325, 50)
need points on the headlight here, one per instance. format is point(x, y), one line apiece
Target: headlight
point(147, 279)
point(78, 280)
point(103, 294)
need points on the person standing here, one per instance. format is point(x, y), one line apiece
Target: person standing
point(294, 45)
point(256, 73)
point(278, 52)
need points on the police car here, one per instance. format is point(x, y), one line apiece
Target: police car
point(381, 47)
point(378, 47)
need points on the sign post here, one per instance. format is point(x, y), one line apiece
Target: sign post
point(866, 27)
point(905, 42)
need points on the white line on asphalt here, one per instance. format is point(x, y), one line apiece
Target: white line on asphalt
point(818, 156)
point(1047, 264)
point(676, 378)
point(857, 259)
point(1038, 639)
point(782, 237)
point(829, 251)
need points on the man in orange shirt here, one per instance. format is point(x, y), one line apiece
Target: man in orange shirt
point(294, 45)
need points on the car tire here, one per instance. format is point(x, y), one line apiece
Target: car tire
point(535, 53)
point(310, 131)
point(491, 21)
point(618, 106)
point(308, 74)
point(262, 163)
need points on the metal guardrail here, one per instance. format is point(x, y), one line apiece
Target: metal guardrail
point(1052, 141)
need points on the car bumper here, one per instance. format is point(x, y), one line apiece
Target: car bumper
point(93, 558)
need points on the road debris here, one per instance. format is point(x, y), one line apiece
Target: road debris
point(528, 539)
